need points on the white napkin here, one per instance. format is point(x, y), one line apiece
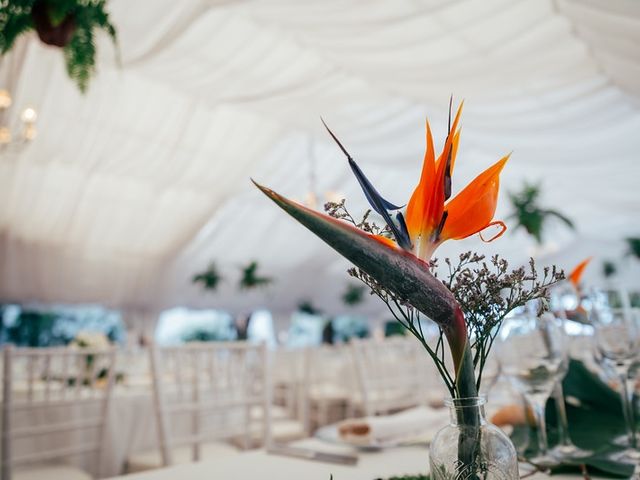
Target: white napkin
point(387, 429)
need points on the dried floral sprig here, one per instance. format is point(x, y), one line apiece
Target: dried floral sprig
point(486, 290)
point(339, 210)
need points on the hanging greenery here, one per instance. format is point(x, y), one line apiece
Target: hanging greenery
point(353, 295)
point(529, 215)
point(634, 246)
point(251, 279)
point(67, 24)
point(209, 279)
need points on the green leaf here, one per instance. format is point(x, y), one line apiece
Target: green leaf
point(562, 217)
point(12, 26)
point(397, 270)
point(401, 273)
point(593, 424)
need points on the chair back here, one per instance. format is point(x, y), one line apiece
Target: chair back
point(392, 374)
point(330, 381)
point(206, 391)
point(55, 405)
point(291, 381)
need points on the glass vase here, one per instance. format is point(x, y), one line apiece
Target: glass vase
point(470, 447)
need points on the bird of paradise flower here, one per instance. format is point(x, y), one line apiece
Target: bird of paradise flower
point(431, 217)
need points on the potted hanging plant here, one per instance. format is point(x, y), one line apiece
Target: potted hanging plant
point(66, 24)
point(468, 306)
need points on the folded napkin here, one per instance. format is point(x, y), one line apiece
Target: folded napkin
point(386, 429)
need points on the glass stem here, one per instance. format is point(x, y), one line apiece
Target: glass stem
point(538, 410)
point(627, 408)
point(561, 410)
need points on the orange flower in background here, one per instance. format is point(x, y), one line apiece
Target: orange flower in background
point(576, 274)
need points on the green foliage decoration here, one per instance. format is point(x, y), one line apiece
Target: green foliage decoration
point(251, 279)
point(634, 246)
point(609, 268)
point(306, 306)
point(68, 24)
point(353, 295)
point(210, 278)
point(529, 215)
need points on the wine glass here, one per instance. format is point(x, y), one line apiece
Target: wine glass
point(565, 449)
point(532, 355)
point(602, 299)
point(566, 301)
point(617, 340)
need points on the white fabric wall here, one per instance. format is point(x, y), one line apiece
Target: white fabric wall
point(134, 187)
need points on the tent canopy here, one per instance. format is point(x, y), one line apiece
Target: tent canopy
point(132, 188)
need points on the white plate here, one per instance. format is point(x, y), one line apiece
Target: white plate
point(330, 434)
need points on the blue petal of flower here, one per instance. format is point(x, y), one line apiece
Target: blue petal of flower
point(405, 240)
point(379, 204)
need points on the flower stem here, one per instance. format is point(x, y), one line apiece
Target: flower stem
point(469, 438)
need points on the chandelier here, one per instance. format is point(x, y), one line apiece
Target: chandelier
point(26, 131)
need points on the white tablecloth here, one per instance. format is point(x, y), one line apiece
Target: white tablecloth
point(131, 427)
point(259, 464)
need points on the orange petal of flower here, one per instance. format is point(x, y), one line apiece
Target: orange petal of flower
point(473, 208)
point(443, 175)
point(503, 228)
point(386, 241)
point(418, 205)
point(451, 138)
point(576, 274)
point(454, 152)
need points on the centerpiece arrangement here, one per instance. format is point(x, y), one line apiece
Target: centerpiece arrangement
point(396, 262)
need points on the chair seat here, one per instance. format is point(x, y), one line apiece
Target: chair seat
point(50, 472)
point(140, 462)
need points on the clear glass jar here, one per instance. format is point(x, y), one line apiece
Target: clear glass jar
point(470, 447)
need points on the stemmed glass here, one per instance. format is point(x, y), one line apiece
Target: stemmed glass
point(532, 355)
point(602, 299)
point(617, 340)
point(566, 298)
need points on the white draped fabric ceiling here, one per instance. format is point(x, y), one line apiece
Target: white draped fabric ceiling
point(132, 188)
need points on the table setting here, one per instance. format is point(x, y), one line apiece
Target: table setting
point(479, 305)
point(331, 239)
